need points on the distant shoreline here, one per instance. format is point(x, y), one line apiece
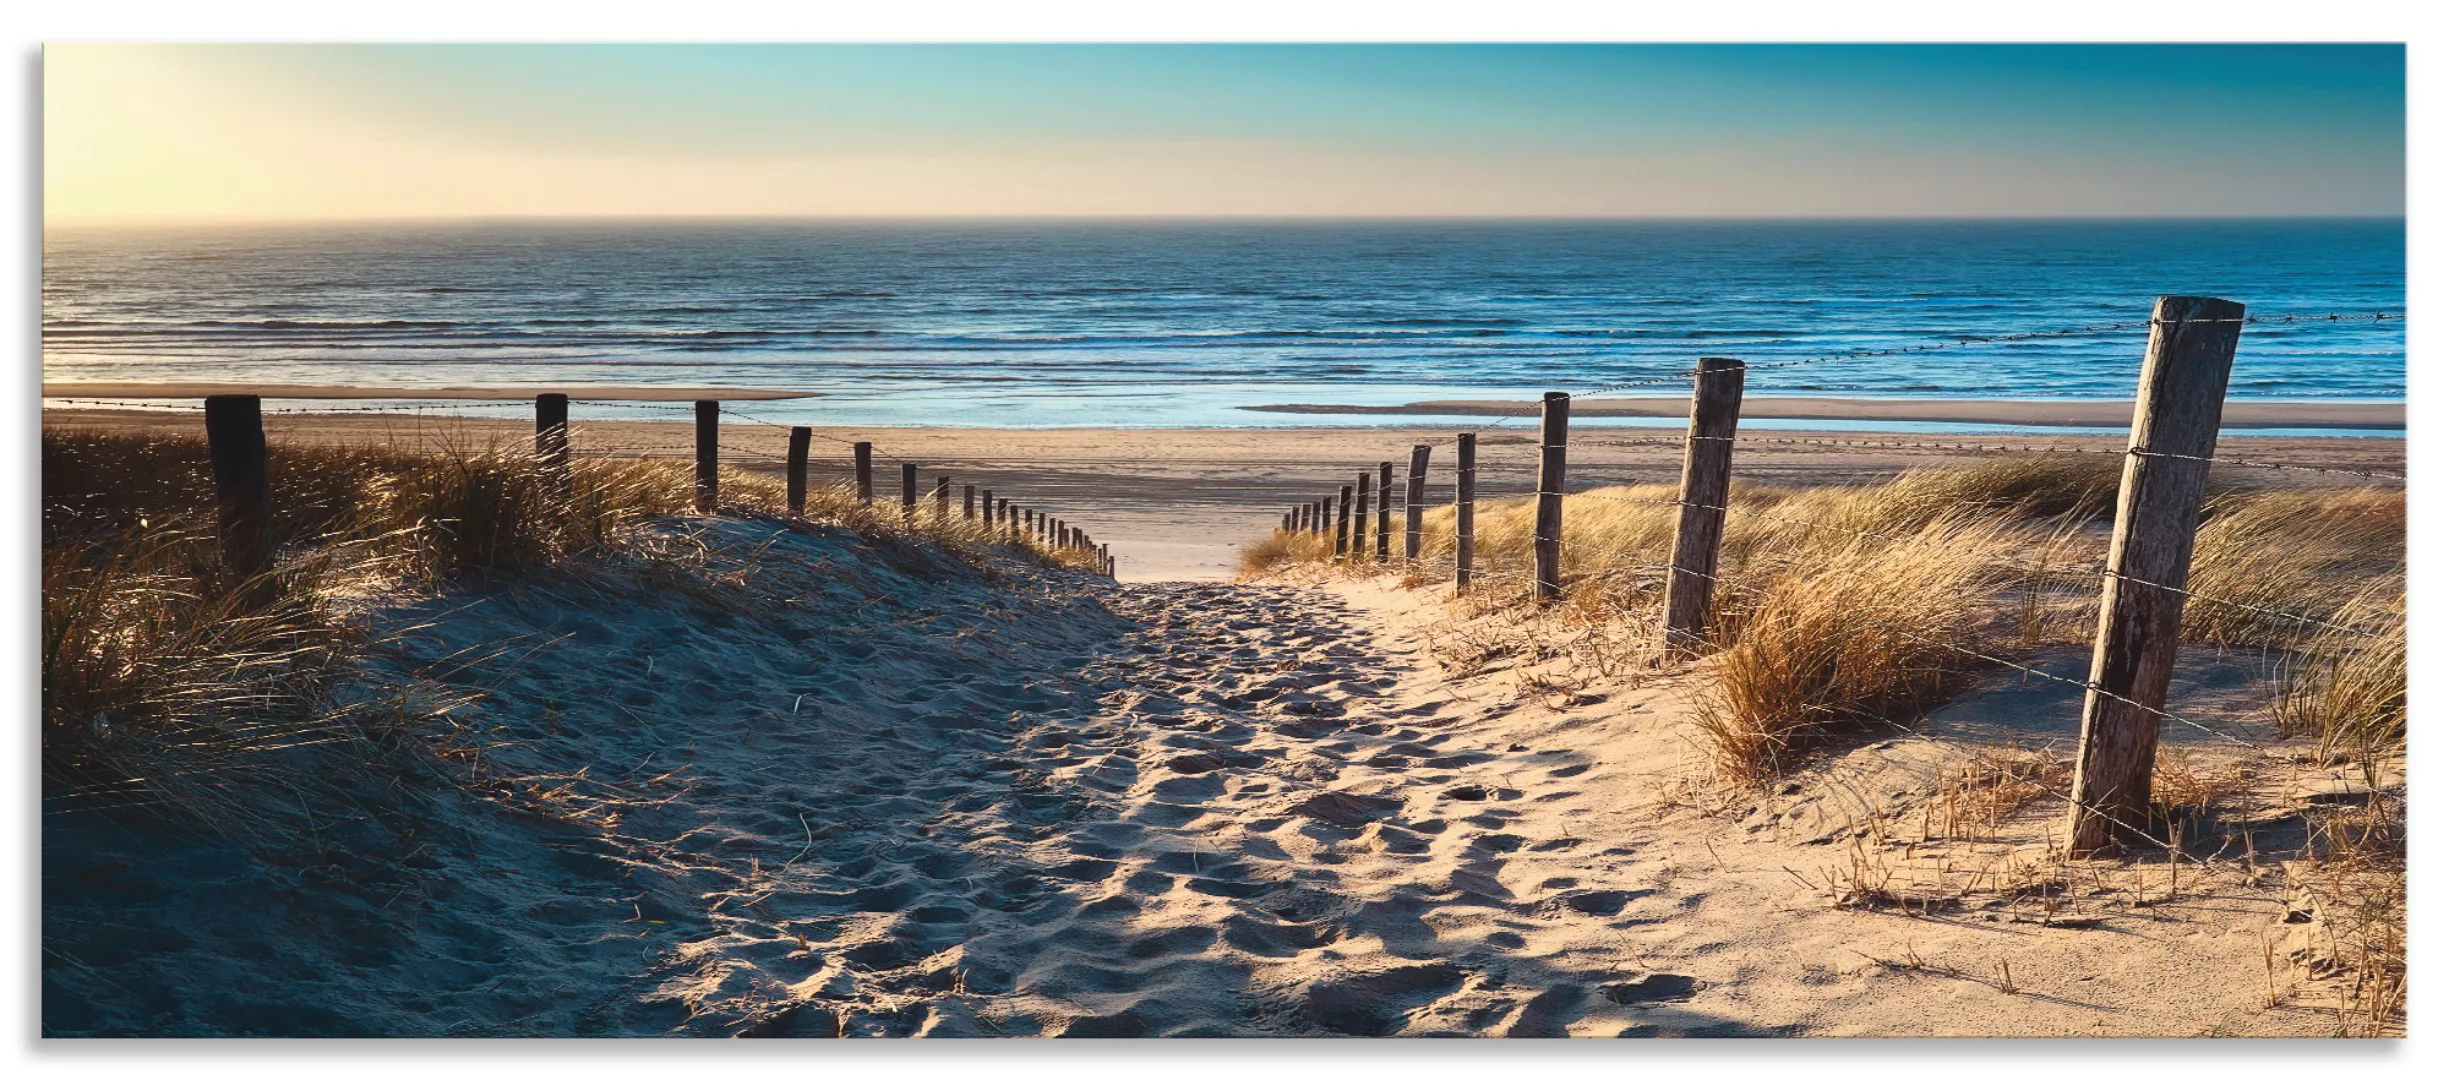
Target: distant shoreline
point(2378, 416)
point(305, 391)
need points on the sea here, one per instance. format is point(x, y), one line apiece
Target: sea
point(1192, 323)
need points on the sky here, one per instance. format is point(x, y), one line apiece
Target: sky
point(454, 131)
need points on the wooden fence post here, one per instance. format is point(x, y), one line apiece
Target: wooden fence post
point(986, 508)
point(1343, 522)
point(909, 492)
point(862, 461)
point(553, 436)
point(1415, 489)
point(1709, 469)
point(795, 473)
point(709, 423)
point(1386, 506)
point(1547, 540)
point(943, 499)
point(969, 502)
point(242, 484)
point(1466, 480)
point(2176, 425)
point(1360, 519)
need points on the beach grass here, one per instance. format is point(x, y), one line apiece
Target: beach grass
point(1839, 606)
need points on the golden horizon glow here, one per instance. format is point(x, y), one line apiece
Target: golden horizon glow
point(175, 132)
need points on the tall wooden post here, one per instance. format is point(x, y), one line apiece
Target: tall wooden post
point(909, 492)
point(986, 508)
point(1360, 519)
point(862, 462)
point(709, 426)
point(1343, 522)
point(1466, 480)
point(1386, 506)
point(242, 485)
point(553, 436)
point(1548, 535)
point(1415, 489)
point(943, 499)
point(795, 473)
point(2176, 423)
point(1709, 470)
point(969, 502)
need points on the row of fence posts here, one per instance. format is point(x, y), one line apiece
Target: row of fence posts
point(2176, 427)
point(242, 482)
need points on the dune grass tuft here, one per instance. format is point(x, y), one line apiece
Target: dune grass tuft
point(1865, 634)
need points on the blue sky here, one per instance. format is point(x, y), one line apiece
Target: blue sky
point(1641, 130)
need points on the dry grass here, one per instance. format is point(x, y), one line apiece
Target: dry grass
point(2348, 685)
point(166, 682)
point(1864, 634)
point(2347, 904)
point(2265, 561)
point(1978, 800)
point(1282, 549)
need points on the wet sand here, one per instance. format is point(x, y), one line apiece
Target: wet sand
point(1177, 504)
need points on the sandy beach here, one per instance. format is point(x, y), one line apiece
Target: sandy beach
point(2115, 414)
point(1177, 504)
point(322, 392)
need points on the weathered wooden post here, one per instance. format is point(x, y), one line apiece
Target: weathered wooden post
point(1415, 489)
point(862, 462)
point(709, 425)
point(1548, 535)
point(1360, 519)
point(909, 493)
point(1466, 476)
point(1709, 470)
point(943, 499)
point(1386, 505)
point(242, 484)
point(553, 436)
point(2176, 425)
point(795, 473)
point(1343, 522)
point(969, 502)
point(986, 508)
